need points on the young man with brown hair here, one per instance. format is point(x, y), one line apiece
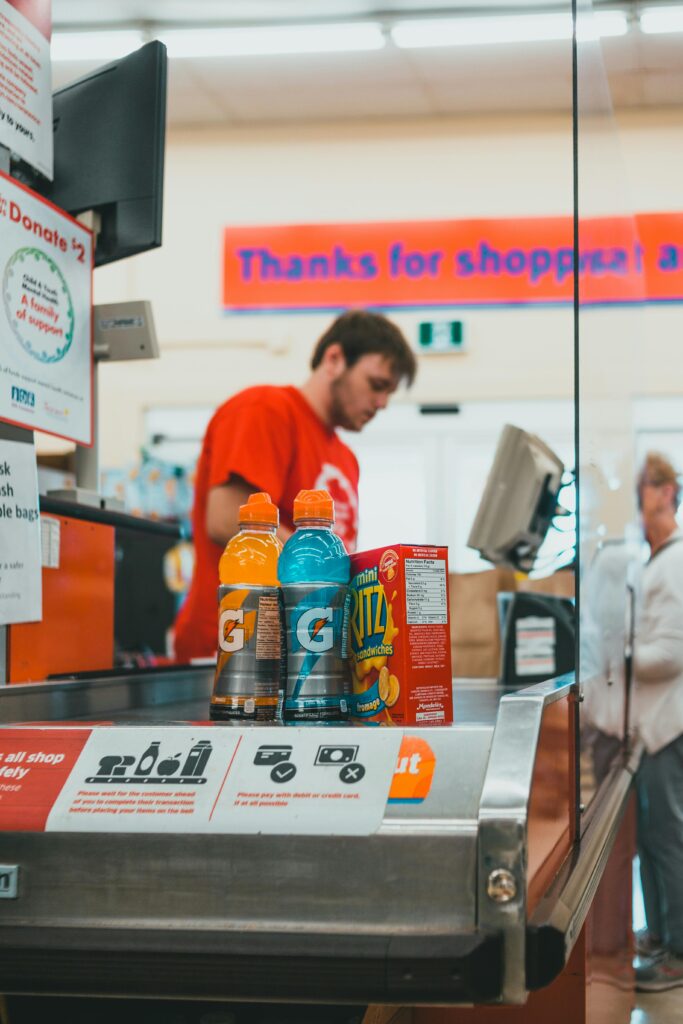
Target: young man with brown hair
point(283, 439)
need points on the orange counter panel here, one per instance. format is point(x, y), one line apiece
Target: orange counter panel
point(77, 631)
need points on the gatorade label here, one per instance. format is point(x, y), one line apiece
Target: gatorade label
point(251, 654)
point(317, 671)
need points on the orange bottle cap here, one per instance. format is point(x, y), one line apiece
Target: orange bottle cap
point(313, 505)
point(260, 509)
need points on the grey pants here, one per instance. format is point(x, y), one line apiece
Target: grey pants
point(660, 842)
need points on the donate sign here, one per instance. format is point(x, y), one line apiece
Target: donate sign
point(45, 316)
point(514, 261)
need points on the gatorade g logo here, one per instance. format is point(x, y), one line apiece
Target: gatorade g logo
point(231, 630)
point(315, 631)
point(236, 626)
point(317, 626)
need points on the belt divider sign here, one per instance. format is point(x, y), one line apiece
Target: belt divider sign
point(176, 779)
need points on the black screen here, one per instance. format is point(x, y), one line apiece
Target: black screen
point(109, 137)
point(561, 611)
point(143, 611)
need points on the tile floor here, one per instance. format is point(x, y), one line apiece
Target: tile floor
point(653, 1007)
point(659, 1007)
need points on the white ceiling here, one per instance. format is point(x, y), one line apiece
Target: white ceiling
point(643, 71)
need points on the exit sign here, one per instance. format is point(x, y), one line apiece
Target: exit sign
point(441, 336)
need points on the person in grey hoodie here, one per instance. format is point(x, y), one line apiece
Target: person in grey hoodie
point(658, 719)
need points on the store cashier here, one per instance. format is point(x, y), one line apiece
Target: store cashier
point(282, 440)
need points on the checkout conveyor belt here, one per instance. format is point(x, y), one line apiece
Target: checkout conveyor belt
point(473, 894)
point(174, 695)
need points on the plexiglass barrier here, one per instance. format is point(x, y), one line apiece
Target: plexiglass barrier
point(611, 291)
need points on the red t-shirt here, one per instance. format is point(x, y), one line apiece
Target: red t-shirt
point(272, 438)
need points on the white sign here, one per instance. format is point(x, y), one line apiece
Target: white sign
point(50, 537)
point(26, 81)
point(45, 316)
point(20, 548)
point(310, 782)
point(274, 781)
point(535, 647)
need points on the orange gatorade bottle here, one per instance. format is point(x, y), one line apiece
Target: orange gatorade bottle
point(251, 653)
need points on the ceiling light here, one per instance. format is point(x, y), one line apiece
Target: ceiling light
point(93, 46)
point(600, 25)
point(527, 28)
point(249, 42)
point(480, 31)
point(654, 20)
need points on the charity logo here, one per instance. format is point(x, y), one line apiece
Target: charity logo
point(54, 412)
point(343, 494)
point(152, 767)
point(315, 631)
point(38, 305)
point(20, 396)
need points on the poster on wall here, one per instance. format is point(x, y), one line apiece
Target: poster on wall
point(20, 542)
point(26, 81)
point(502, 261)
point(45, 316)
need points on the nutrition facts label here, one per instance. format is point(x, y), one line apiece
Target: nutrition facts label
point(426, 591)
point(268, 646)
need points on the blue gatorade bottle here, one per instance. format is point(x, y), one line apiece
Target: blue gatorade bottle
point(314, 570)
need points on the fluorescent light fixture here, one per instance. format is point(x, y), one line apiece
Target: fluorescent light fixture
point(655, 20)
point(93, 46)
point(600, 25)
point(251, 42)
point(485, 31)
point(481, 31)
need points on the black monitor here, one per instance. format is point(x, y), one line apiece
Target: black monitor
point(109, 138)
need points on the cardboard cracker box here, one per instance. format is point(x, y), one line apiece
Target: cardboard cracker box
point(399, 636)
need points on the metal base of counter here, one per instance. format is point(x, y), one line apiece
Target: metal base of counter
point(477, 893)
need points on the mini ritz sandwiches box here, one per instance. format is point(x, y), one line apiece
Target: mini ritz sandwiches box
point(399, 636)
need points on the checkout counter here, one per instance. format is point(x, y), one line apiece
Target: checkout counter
point(491, 894)
point(490, 897)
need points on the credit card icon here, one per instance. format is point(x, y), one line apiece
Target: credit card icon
point(272, 755)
